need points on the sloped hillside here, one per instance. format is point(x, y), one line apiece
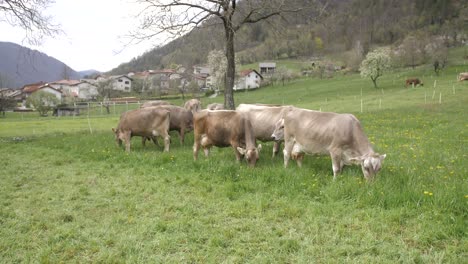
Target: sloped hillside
point(20, 65)
point(322, 27)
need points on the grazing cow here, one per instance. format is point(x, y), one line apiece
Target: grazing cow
point(413, 81)
point(263, 118)
point(181, 120)
point(143, 122)
point(225, 128)
point(215, 106)
point(463, 76)
point(340, 135)
point(154, 103)
point(193, 105)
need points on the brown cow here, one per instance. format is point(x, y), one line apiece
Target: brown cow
point(413, 81)
point(340, 135)
point(263, 118)
point(463, 76)
point(154, 103)
point(215, 106)
point(143, 122)
point(181, 120)
point(225, 128)
point(193, 105)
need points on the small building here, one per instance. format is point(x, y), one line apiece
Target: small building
point(248, 79)
point(267, 68)
point(121, 83)
point(201, 70)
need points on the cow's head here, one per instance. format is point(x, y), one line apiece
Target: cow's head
point(370, 164)
point(278, 133)
point(251, 155)
point(117, 136)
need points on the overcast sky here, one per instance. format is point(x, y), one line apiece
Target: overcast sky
point(93, 33)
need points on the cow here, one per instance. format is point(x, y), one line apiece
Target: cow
point(215, 106)
point(154, 103)
point(225, 128)
point(463, 76)
point(143, 122)
point(181, 120)
point(413, 81)
point(339, 135)
point(263, 118)
point(193, 105)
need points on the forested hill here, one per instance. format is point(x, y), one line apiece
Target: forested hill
point(343, 26)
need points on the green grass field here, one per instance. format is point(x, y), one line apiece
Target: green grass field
point(69, 194)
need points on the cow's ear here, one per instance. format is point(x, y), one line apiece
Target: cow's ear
point(241, 150)
point(113, 130)
point(259, 147)
point(382, 157)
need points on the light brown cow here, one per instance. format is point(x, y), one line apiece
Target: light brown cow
point(413, 81)
point(340, 135)
point(193, 105)
point(215, 106)
point(463, 76)
point(263, 118)
point(181, 120)
point(154, 103)
point(225, 128)
point(143, 122)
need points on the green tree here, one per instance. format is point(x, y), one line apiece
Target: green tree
point(375, 64)
point(43, 102)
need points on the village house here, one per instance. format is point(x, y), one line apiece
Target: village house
point(267, 68)
point(121, 83)
point(248, 79)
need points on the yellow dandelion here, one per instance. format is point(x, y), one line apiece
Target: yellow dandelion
point(430, 194)
point(466, 196)
point(426, 192)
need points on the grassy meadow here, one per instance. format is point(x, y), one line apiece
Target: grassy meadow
point(69, 194)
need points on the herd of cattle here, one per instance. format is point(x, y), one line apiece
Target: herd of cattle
point(303, 131)
point(463, 76)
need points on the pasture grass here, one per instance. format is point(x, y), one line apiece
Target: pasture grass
point(69, 195)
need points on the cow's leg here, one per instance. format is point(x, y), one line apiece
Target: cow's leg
point(143, 141)
point(155, 141)
point(288, 146)
point(206, 150)
point(276, 147)
point(336, 163)
point(127, 139)
point(167, 142)
point(182, 136)
point(196, 145)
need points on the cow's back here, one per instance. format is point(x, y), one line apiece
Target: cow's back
point(262, 118)
point(319, 131)
point(142, 122)
point(219, 126)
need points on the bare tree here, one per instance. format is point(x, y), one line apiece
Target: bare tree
point(177, 17)
point(27, 14)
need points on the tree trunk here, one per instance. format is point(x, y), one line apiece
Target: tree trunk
point(231, 68)
point(374, 80)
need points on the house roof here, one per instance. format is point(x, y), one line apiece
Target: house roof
point(48, 86)
point(247, 72)
point(30, 88)
point(267, 64)
point(66, 82)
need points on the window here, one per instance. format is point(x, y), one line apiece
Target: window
point(127, 88)
point(127, 82)
point(120, 80)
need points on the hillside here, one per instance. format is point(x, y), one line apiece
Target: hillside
point(20, 65)
point(348, 28)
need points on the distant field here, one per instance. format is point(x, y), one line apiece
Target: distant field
point(68, 194)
